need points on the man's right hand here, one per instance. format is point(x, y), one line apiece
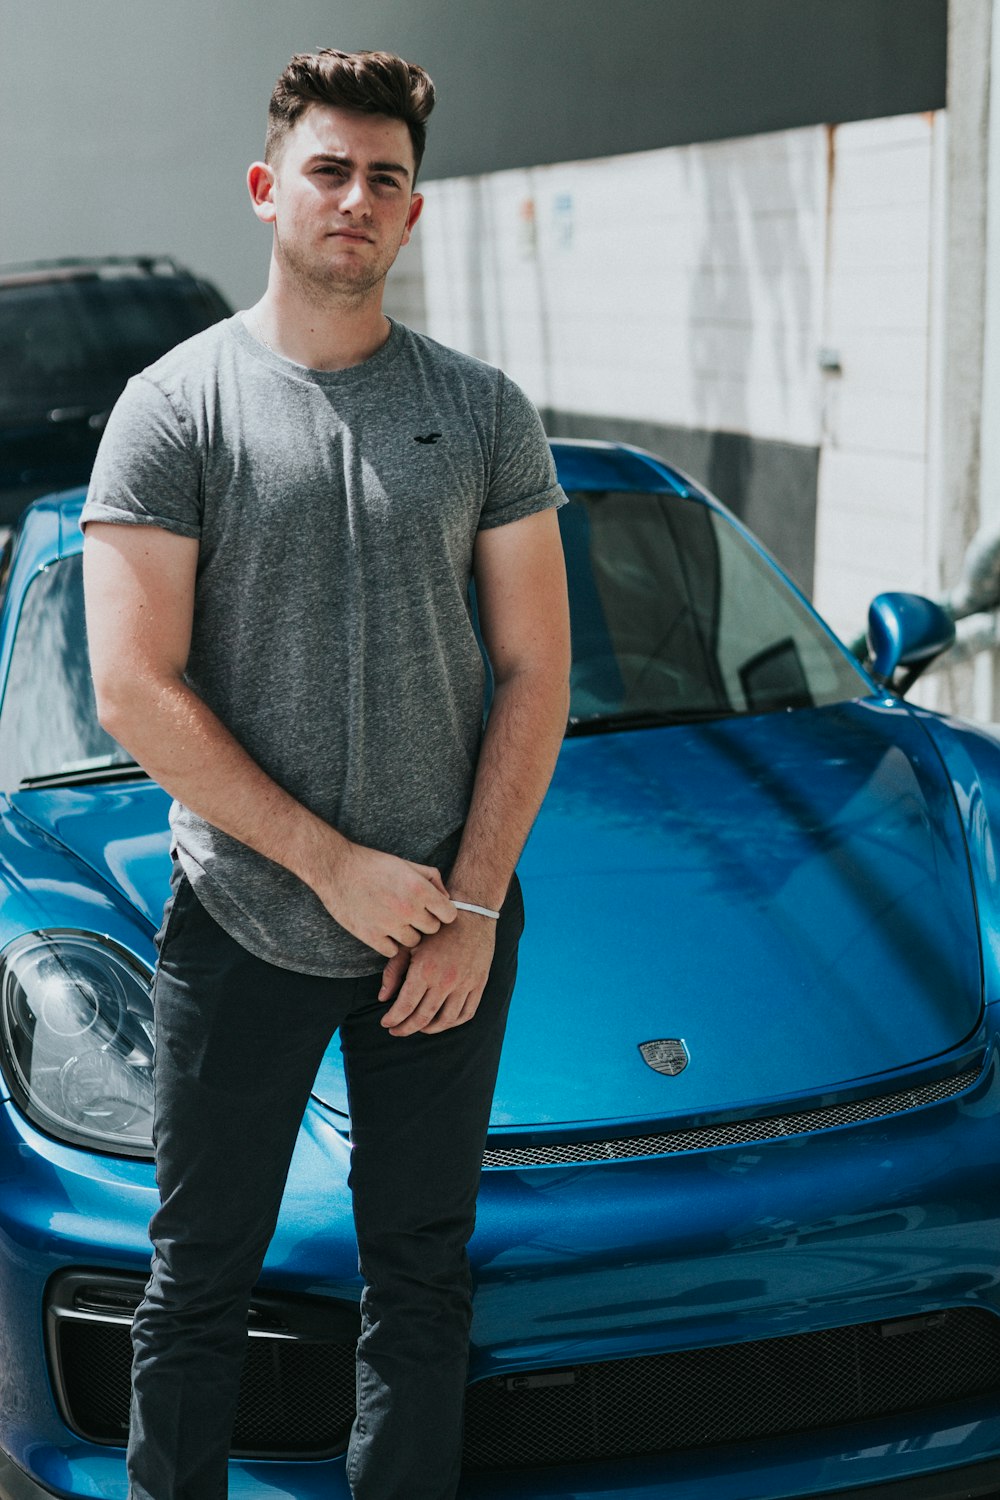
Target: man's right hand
point(387, 902)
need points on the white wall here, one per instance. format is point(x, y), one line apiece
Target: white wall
point(695, 287)
point(682, 286)
point(877, 517)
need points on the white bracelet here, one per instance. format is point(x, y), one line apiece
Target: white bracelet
point(481, 911)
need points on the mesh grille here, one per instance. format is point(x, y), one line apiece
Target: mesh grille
point(738, 1392)
point(737, 1133)
point(296, 1397)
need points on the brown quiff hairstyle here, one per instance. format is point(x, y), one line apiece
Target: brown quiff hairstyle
point(374, 83)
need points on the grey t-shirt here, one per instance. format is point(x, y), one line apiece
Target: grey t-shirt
point(336, 514)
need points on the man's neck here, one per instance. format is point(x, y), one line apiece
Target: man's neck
point(331, 336)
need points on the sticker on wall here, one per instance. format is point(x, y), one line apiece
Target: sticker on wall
point(563, 217)
point(527, 229)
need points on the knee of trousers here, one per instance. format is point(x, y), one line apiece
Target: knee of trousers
point(407, 1324)
point(199, 1281)
point(177, 1333)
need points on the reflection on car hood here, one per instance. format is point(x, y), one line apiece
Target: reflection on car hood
point(119, 831)
point(788, 894)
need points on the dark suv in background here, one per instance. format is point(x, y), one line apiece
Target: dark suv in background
point(71, 334)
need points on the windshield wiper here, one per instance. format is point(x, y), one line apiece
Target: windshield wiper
point(645, 719)
point(85, 772)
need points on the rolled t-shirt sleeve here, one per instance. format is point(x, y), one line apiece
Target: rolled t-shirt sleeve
point(522, 475)
point(147, 472)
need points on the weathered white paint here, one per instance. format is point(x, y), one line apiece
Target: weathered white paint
point(873, 520)
point(681, 286)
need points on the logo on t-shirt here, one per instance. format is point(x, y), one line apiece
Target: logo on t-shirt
point(431, 437)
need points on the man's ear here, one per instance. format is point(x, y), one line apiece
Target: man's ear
point(260, 184)
point(416, 205)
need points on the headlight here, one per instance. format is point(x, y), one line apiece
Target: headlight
point(76, 1040)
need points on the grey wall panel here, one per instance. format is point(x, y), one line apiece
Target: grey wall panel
point(566, 80)
point(771, 486)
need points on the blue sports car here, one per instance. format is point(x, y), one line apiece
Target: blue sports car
point(739, 1227)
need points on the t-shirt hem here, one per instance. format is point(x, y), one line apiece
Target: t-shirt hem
point(228, 915)
point(516, 510)
point(102, 511)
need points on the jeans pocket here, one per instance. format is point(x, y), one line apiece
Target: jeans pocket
point(173, 909)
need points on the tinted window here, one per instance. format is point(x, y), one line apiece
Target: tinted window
point(69, 346)
point(49, 718)
point(76, 342)
point(674, 614)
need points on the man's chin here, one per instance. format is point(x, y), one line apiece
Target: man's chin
point(336, 280)
point(340, 270)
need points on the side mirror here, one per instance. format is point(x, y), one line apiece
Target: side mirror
point(908, 631)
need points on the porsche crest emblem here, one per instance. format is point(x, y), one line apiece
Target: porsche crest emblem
point(667, 1055)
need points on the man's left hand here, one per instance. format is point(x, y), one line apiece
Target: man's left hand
point(445, 977)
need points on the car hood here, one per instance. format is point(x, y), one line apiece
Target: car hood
point(121, 832)
point(788, 895)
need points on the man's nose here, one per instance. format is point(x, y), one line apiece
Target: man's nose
point(356, 198)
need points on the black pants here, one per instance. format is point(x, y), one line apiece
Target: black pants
point(238, 1045)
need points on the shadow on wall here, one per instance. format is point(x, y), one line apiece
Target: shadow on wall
point(743, 300)
point(754, 279)
point(753, 333)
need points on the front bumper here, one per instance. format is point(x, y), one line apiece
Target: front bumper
point(891, 1219)
point(978, 1481)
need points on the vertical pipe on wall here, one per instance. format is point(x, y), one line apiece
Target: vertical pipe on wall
point(988, 674)
point(969, 49)
point(990, 435)
point(927, 692)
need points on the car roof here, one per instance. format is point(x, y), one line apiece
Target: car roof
point(587, 464)
point(88, 268)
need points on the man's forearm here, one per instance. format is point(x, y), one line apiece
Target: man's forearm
point(185, 747)
point(524, 731)
point(385, 901)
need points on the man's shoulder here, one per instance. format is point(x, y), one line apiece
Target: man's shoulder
point(451, 362)
point(194, 360)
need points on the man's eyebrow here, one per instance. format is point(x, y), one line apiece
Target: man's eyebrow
point(346, 161)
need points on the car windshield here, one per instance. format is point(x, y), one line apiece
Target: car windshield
point(49, 726)
point(676, 616)
point(74, 342)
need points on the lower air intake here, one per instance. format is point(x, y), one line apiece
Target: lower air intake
point(296, 1393)
point(702, 1397)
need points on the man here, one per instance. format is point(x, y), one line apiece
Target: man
point(280, 532)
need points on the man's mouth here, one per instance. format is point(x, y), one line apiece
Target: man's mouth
point(350, 234)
